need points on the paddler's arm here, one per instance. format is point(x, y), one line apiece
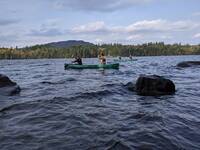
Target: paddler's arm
point(74, 61)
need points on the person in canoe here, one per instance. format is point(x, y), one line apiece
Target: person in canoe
point(78, 60)
point(102, 57)
point(130, 57)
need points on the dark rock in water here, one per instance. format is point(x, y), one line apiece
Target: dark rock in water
point(8, 87)
point(130, 86)
point(5, 81)
point(10, 90)
point(188, 64)
point(153, 85)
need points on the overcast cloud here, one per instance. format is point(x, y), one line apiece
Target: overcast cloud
point(31, 22)
point(98, 5)
point(5, 22)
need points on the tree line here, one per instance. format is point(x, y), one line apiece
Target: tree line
point(147, 49)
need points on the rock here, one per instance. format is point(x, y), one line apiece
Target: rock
point(8, 87)
point(153, 85)
point(130, 86)
point(5, 81)
point(188, 63)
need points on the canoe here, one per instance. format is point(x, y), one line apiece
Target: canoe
point(124, 60)
point(99, 66)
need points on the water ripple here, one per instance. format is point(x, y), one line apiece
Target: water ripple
point(91, 109)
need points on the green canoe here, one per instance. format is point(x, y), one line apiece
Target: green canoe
point(100, 66)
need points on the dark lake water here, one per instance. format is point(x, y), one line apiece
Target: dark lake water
point(61, 109)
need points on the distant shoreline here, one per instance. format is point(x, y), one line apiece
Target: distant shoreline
point(112, 57)
point(92, 51)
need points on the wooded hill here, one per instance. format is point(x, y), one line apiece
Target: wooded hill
point(85, 49)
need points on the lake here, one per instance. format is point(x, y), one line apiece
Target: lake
point(92, 109)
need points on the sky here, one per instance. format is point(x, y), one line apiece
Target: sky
point(30, 22)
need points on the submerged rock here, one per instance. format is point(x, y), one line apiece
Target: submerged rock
point(130, 86)
point(152, 85)
point(188, 64)
point(8, 87)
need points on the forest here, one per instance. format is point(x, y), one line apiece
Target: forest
point(89, 51)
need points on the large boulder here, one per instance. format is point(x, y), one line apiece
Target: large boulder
point(188, 63)
point(8, 87)
point(153, 85)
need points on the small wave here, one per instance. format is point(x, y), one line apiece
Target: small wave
point(93, 94)
point(39, 65)
point(154, 64)
point(58, 82)
point(48, 82)
point(44, 65)
point(154, 140)
point(129, 72)
point(19, 106)
point(117, 145)
point(142, 116)
point(111, 85)
point(37, 76)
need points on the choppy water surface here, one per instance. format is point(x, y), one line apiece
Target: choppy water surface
point(61, 109)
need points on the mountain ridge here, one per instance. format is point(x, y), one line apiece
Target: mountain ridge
point(67, 44)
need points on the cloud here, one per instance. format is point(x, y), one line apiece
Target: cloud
point(46, 32)
point(134, 37)
point(142, 27)
point(197, 35)
point(140, 31)
point(94, 27)
point(98, 40)
point(8, 37)
point(160, 25)
point(5, 22)
point(101, 32)
point(98, 5)
point(165, 37)
point(49, 28)
point(196, 13)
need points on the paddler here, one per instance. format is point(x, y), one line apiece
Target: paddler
point(130, 57)
point(102, 57)
point(78, 60)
